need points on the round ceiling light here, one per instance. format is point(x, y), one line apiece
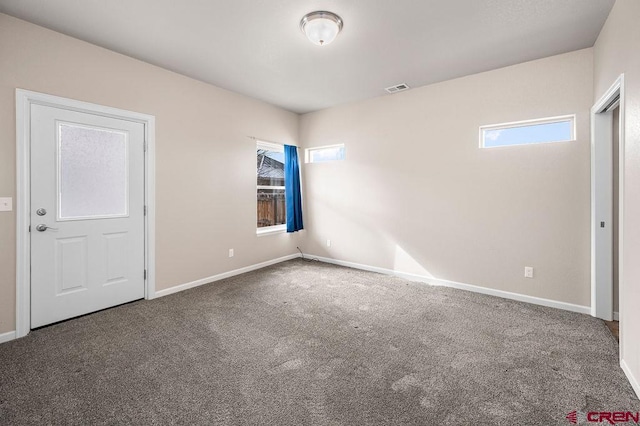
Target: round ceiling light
point(321, 27)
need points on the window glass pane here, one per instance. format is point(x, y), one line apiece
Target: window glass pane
point(271, 207)
point(92, 172)
point(332, 153)
point(270, 168)
point(558, 131)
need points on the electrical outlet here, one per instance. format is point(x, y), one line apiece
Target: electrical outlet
point(328, 243)
point(528, 272)
point(230, 252)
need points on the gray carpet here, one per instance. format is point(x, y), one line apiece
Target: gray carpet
point(308, 343)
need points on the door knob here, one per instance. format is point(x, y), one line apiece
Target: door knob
point(42, 227)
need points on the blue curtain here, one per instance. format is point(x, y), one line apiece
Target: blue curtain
point(292, 189)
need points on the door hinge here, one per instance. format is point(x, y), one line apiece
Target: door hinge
point(145, 210)
point(29, 228)
point(145, 274)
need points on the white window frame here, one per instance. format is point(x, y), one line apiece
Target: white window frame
point(275, 229)
point(526, 123)
point(308, 151)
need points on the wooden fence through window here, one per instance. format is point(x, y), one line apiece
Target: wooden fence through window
point(271, 210)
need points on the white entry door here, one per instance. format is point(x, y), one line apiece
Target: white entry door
point(87, 213)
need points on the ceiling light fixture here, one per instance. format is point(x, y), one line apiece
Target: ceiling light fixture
point(321, 27)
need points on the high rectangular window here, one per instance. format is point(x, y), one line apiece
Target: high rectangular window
point(323, 154)
point(271, 205)
point(545, 130)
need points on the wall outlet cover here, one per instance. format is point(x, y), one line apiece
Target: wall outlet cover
point(6, 204)
point(528, 272)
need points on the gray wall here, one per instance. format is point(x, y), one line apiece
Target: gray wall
point(416, 194)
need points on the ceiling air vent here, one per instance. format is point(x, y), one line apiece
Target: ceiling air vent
point(397, 88)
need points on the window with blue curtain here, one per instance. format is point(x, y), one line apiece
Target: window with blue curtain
point(271, 206)
point(293, 195)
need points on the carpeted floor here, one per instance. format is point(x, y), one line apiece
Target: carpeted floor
point(309, 343)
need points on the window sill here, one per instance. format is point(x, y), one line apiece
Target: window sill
point(281, 229)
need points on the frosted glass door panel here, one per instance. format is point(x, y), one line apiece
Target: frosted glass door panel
point(92, 172)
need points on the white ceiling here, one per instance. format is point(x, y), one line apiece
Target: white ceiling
point(255, 47)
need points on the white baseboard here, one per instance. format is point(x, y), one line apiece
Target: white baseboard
point(616, 316)
point(6, 337)
point(207, 280)
point(634, 382)
point(468, 287)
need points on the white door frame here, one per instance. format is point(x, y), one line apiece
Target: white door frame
point(24, 100)
point(601, 201)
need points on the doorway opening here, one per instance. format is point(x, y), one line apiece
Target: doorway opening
point(607, 201)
